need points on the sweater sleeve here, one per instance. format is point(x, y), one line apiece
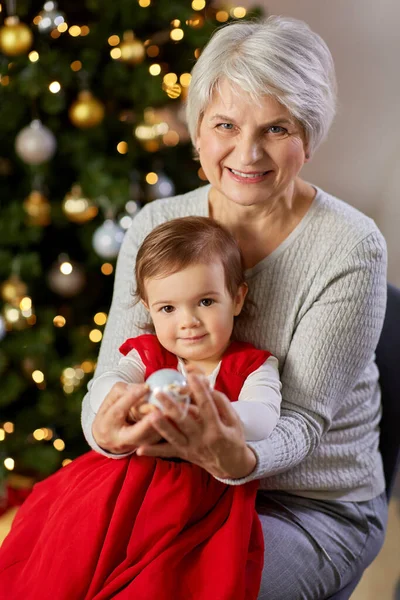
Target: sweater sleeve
point(332, 345)
point(123, 318)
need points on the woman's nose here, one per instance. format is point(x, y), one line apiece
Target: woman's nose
point(251, 150)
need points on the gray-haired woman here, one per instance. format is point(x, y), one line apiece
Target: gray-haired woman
point(261, 100)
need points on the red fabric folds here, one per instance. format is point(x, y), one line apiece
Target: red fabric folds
point(138, 528)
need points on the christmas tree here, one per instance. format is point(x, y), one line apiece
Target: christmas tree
point(91, 127)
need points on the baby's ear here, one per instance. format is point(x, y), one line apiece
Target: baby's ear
point(240, 298)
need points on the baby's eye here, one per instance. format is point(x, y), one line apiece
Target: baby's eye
point(167, 309)
point(206, 302)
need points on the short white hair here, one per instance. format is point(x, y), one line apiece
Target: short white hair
point(278, 56)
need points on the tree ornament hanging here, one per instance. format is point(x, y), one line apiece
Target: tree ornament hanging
point(77, 208)
point(37, 208)
point(107, 239)
point(15, 37)
point(50, 17)
point(163, 188)
point(87, 111)
point(35, 143)
point(132, 49)
point(13, 290)
point(66, 277)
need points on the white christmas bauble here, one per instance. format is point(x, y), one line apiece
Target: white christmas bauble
point(3, 329)
point(66, 277)
point(169, 382)
point(163, 188)
point(107, 239)
point(35, 143)
point(50, 17)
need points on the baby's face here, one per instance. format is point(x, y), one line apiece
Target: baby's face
point(193, 312)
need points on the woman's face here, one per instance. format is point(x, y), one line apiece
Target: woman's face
point(250, 152)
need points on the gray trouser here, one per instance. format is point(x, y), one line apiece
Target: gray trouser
point(313, 548)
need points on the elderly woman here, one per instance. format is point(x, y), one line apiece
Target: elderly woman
point(261, 100)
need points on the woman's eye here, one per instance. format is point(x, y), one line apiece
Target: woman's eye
point(277, 129)
point(167, 309)
point(206, 302)
point(225, 126)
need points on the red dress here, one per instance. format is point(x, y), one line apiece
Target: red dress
point(139, 528)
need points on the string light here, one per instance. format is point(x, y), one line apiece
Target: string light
point(59, 321)
point(38, 376)
point(170, 79)
point(116, 53)
point(85, 30)
point(100, 318)
point(198, 4)
point(74, 31)
point(238, 12)
point(222, 16)
point(62, 27)
point(59, 444)
point(54, 87)
point(171, 138)
point(8, 427)
point(114, 40)
point(122, 147)
point(151, 178)
point(25, 304)
point(88, 366)
point(175, 23)
point(66, 462)
point(144, 3)
point(185, 79)
point(39, 435)
point(9, 464)
point(153, 51)
point(2, 434)
point(176, 34)
point(76, 65)
point(33, 56)
point(66, 268)
point(154, 69)
point(106, 268)
point(95, 335)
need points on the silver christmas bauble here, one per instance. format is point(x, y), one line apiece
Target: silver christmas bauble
point(66, 277)
point(169, 382)
point(50, 17)
point(107, 239)
point(35, 143)
point(163, 188)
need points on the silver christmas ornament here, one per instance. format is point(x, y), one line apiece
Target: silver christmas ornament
point(66, 277)
point(163, 188)
point(169, 382)
point(50, 17)
point(107, 239)
point(35, 143)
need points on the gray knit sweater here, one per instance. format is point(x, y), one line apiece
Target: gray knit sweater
point(319, 306)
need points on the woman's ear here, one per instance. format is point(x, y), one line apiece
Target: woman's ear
point(240, 298)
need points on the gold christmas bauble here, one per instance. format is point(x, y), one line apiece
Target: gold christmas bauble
point(15, 37)
point(38, 209)
point(13, 290)
point(86, 111)
point(77, 207)
point(132, 50)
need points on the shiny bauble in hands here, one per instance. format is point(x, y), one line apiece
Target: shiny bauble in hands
point(35, 143)
point(15, 38)
point(107, 239)
point(170, 382)
point(87, 111)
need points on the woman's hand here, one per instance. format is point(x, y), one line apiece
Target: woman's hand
point(210, 435)
point(113, 428)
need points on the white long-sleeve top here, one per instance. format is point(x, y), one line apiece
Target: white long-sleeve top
point(258, 405)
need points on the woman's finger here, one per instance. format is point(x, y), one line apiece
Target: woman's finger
point(163, 450)
point(224, 408)
point(118, 402)
point(202, 398)
point(168, 430)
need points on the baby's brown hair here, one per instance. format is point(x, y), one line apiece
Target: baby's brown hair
point(179, 243)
